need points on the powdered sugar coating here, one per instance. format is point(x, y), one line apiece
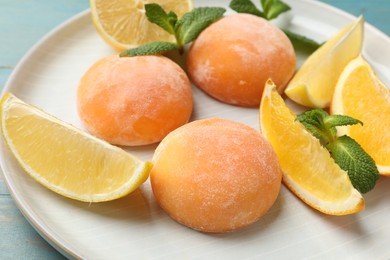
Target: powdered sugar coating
point(215, 175)
point(134, 101)
point(233, 58)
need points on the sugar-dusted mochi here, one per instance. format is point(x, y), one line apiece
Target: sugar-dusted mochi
point(215, 175)
point(134, 100)
point(233, 58)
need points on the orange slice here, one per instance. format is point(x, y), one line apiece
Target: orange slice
point(308, 170)
point(359, 93)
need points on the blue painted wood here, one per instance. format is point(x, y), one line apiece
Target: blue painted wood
point(23, 23)
point(18, 239)
point(375, 12)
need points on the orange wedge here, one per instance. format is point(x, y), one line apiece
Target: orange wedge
point(308, 170)
point(359, 93)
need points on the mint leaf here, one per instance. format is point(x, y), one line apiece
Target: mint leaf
point(245, 6)
point(314, 116)
point(314, 122)
point(273, 8)
point(351, 157)
point(322, 125)
point(301, 42)
point(346, 152)
point(156, 14)
point(194, 22)
point(185, 30)
point(150, 49)
point(340, 120)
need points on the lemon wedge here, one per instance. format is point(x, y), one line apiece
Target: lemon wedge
point(315, 81)
point(124, 25)
point(308, 169)
point(66, 160)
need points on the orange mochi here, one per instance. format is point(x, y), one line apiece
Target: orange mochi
point(215, 175)
point(134, 100)
point(233, 58)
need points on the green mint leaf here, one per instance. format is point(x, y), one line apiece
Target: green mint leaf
point(150, 49)
point(273, 8)
point(322, 125)
point(346, 152)
point(314, 122)
point(245, 6)
point(340, 120)
point(301, 42)
point(156, 14)
point(194, 22)
point(351, 157)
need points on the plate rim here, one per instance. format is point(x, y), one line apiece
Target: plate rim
point(51, 237)
point(24, 208)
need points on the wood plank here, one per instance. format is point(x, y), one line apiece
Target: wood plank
point(18, 238)
point(376, 12)
point(22, 24)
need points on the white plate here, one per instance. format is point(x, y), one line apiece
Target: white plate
point(135, 227)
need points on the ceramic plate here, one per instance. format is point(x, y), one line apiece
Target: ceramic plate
point(135, 227)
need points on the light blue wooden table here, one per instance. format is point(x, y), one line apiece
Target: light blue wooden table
point(23, 23)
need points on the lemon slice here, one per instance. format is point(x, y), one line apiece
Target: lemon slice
point(308, 170)
point(124, 25)
point(360, 94)
point(65, 159)
point(314, 82)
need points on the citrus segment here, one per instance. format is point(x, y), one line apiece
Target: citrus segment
point(314, 82)
point(308, 170)
point(360, 94)
point(65, 159)
point(124, 25)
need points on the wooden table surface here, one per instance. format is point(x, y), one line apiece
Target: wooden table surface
point(23, 23)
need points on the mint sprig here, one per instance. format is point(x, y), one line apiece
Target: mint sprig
point(246, 7)
point(157, 15)
point(301, 42)
point(346, 152)
point(194, 22)
point(186, 29)
point(350, 156)
point(271, 10)
point(152, 48)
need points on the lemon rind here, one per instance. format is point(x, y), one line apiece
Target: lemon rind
point(299, 91)
point(141, 173)
point(112, 41)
